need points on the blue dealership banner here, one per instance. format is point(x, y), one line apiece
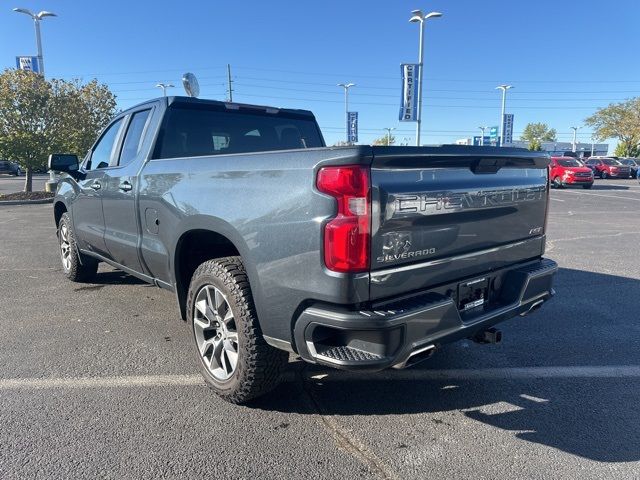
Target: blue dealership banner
point(410, 73)
point(352, 127)
point(507, 128)
point(28, 63)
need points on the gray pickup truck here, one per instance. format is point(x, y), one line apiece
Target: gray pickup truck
point(354, 257)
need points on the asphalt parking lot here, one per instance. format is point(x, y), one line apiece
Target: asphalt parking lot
point(99, 380)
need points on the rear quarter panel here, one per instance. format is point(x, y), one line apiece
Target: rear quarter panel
point(267, 205)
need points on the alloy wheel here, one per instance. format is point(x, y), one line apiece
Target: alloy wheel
point(65, 247)
point(215, 332)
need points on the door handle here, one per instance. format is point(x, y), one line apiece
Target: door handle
point(96, 185)
point(125, 186)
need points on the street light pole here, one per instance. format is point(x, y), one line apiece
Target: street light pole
point(164, 87)
point(482, 129)
point(388, 129)
point(52, 184)
point(504, 89)
point(36, 21)
point(418, 16)
point(575, 131)
point(346, 87)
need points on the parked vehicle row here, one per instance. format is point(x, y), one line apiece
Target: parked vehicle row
point(566, 170)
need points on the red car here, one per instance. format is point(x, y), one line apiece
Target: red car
point(606, 167)
point(565, 171)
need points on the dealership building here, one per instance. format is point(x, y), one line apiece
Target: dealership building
point(582, 149)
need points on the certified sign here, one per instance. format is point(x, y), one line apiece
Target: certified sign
point(28, 63)
point(409, 100)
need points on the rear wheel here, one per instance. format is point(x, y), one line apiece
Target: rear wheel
point(603, 175)
point(233, 357)
point(557, 183)
point(76, 267)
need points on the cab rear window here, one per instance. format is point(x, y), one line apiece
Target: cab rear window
point(192, 132)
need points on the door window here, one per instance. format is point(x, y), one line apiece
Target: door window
point(133, 139)
point(104, 149)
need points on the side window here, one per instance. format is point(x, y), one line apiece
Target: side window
point(133, 139)
point(103, 151)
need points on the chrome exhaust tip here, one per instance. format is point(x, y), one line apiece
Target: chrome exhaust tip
point(534, 306)
point(418, 355)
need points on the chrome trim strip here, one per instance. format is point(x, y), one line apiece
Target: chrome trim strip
point(441, 261)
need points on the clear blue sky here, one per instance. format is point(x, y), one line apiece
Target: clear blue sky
point(565, 58)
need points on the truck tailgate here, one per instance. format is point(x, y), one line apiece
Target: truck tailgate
point(447, 213)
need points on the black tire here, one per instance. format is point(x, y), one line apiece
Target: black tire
point(603, 175)
point(78, 267)
point(557, 183)
point(587, 186)
point(259, 365)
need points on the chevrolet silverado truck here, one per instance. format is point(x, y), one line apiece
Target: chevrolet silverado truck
point(356, 257)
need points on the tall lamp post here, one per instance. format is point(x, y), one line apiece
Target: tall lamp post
point(419, 16)
point(504, 89)
point(573, 144)
point(346, 87)
point(389, 129)
point(482, 129)
point(36, 21)
point(52, 184)
point(164, 87)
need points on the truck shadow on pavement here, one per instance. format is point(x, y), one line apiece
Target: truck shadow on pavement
point(592, 416)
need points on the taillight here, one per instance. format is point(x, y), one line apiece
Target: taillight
point(346, 236)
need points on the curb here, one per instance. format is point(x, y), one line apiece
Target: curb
point(26, 202)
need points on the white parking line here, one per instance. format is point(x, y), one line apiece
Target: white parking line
point(100, 382)
point(602, 195)
point(515, 373)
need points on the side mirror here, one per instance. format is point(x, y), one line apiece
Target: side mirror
point(64, 162)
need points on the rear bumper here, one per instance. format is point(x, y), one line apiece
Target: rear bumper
point(393, 333)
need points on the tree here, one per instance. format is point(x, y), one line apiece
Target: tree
point(81, 112)
point(24, 114)
point(535, 145)
point(536, 133)
point(38, 117)
point(624, 149)
point(618, 120)
point(384, 140)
